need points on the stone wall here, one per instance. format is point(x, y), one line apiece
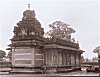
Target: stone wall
point(22, 56)
point(56, 57)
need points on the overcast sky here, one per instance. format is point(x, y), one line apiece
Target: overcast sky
point(82, 15)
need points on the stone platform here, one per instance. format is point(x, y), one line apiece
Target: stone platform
point(42, 70)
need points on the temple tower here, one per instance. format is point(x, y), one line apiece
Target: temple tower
point(27, 42)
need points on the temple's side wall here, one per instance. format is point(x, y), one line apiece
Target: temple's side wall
point(22, 56)
point(54, 58)
point(27, 56)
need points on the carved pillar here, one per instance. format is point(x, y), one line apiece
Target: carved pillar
point(75, 58)
point(63, 58)
point(72, 59)
point(45, 57)
point(60, 57)
point(68, 58)
point(52, 58)
point(79, 59)
point(33, 56)
point(13, 58)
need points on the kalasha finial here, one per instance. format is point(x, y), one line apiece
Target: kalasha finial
point(29, 6)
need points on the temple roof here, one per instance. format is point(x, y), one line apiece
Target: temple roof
point(61, 42)
point(61, 47)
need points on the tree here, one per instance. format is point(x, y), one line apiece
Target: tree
point(2, 55)
point(60, 30)
point(97, 50)
point(9, 56)
point(87, 59)
point(94, 59)
point(82, 58)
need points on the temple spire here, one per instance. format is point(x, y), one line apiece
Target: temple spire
point(29, 6)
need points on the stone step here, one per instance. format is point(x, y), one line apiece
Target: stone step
point(25, 72)
point(64, 70)
point(5, 69)
point(4, 73)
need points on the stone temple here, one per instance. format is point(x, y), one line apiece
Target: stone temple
point(34, 53)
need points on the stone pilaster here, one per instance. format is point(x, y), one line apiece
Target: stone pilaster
point(33, 56)
point(72, 59)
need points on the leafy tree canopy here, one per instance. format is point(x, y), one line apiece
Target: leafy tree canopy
point(9, 55)
point(2, 54)
point(82, 58)
point(97, 49)
point(60, 30)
